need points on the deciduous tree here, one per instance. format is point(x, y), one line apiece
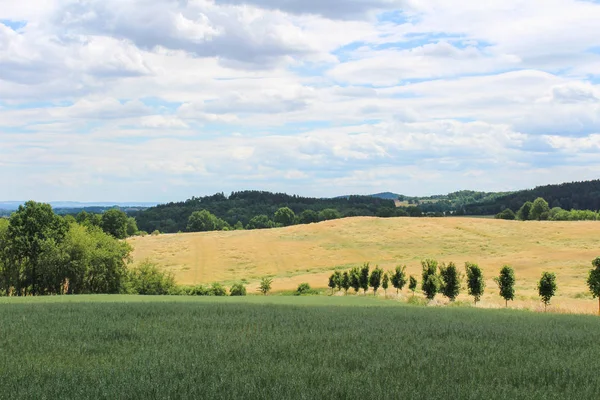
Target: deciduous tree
point(412, 285)
point(475, 281)
point(450, 283)
point(399, 278)
point(364, 277)
point(506, 283)
point(547, 287)
point(375, 279)
point(431, 281)
point(593, 280)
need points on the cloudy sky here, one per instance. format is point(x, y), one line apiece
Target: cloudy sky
point(158, 100)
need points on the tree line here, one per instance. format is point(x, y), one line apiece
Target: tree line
point(568, 196)
point(250, 209)
point(539, 210)
point(446, 279)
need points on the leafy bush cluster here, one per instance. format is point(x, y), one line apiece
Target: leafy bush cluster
point(42, 253)
point(539, 210)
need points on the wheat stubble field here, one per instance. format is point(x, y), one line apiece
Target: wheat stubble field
point(308, 253)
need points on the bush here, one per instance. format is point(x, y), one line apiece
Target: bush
point(155, 232)
point(148, 279)
point(507, 214)
point(304, 289)
point(217, 290)
point(237, 289)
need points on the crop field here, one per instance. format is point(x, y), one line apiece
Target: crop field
point(309, 253)
point(108, 347)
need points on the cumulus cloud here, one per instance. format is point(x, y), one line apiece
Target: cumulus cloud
point(162, 100)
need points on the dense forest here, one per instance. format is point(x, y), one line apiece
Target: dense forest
point(568, 196)
point(240, 208)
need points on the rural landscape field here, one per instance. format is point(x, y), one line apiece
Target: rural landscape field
point(309, 253)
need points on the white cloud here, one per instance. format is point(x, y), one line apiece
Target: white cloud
point(111, 100)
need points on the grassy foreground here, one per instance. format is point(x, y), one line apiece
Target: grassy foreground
point(288, 347)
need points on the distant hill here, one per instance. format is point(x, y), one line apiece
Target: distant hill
point(386, 195)
point(13, 205)
point(245, 205)
point(574, 195)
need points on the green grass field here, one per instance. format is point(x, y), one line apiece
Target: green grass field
point(108, 347)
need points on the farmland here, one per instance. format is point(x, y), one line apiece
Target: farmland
point(107, 347)
point(308, 253)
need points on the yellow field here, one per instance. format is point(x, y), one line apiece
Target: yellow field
point(309, 253)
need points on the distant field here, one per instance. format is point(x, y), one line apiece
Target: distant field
point(120, 347)
point(308, 253)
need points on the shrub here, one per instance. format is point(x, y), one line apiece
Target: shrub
point(303, 288)
point(412, 286)
point(507, 214)
point(237, 289)
point(217, 290)
point(148, 279)
point(265, 285)
point(155, 232)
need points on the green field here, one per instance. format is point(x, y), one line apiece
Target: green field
point(110, 347)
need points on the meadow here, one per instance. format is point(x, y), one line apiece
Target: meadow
point(107, 347)
point(309, 253)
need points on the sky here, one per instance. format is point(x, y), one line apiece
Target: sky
point(161, 100)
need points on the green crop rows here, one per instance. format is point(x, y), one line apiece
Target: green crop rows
point(110, 347)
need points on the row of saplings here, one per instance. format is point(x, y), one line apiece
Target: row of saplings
point(446, 279)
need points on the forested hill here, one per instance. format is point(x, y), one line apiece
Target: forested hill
point(243, 206)
point(574, 195)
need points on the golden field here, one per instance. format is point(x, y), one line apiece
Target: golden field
point(309, 253)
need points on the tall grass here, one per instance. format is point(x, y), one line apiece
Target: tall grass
point(290, 348)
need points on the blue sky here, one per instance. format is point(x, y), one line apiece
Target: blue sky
point(147, 100)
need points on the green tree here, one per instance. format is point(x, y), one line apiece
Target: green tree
point(506, 283)
point(431, 281)
point(547, 287)
point(308, 217)
point(202, 221)
point(412, 285)
point(364, 277)
point(385, 283)
point(332, 283)
point(132, 228)
point(450, 281)
point(32, 229)
point(524, 211)
point(265, 285)
point(355, 279)
point(114, 222)
point(337, 279)
point(346, 282)
point(539, 209)
point(399, 278)
point(329, 214)
point(149, 279)
point(260, 222)
point(475, 281)
point(375, 279)
point(237, 289)
point(285, 216)
point(507, 214)
point(593, 280)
